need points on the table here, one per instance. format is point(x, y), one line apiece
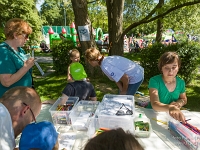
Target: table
point(160, 138)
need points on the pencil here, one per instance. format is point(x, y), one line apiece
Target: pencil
point(160, 121)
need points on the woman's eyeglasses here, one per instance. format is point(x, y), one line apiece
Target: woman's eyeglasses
point(121, 112)
point(31, 112)
point(25, 36)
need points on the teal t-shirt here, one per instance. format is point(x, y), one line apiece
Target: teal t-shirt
point(165, 96)
point(10, 63)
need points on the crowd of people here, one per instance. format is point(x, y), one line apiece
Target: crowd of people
point(20, 104)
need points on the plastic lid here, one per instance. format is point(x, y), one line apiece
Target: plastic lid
point(140, 115)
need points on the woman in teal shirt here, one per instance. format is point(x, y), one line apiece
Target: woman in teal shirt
point(15, 67)
point(167, 91)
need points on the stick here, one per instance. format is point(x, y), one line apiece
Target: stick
point(39, 68)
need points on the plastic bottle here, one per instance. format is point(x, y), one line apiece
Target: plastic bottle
point(142, 126)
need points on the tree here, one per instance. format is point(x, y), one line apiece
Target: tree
point(52, 13)
point(81, 19)
point(24, 9)
point(98, 15)
point(115, 16)
point(159, 23)
point(115, 11)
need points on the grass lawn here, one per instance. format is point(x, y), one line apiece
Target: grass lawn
point(51, 86)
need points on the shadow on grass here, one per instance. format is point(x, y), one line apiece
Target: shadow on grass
point(51, 86)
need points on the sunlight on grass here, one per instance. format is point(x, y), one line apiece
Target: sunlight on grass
point(51, 86)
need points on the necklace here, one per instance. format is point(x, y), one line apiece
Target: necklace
point(169, 82)
point(170, 85)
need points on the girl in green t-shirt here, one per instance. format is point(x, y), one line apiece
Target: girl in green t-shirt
point(167, 91)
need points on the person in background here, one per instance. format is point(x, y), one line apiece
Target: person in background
point(100, 41)
point(62, 37)
point(115, 139)
point(80, 87)
point(44, 47)
point(106, 44)
point(167, 90)
point(127, 74)
point(18, 107)
point(40, 135)
point(15, 66)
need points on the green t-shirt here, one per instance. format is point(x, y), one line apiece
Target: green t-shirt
point(10, 63)
point(165, 96)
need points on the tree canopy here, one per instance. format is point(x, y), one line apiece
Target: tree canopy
point(24, 9)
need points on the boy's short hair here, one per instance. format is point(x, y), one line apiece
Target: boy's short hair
point(40, 135)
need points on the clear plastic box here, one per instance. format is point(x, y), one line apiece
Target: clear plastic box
point(180, 132)
point(82, 113)
point(107, 112)
point(62, 117)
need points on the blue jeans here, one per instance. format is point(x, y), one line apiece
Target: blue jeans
point(132, 88)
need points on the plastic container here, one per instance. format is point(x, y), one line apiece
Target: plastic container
point(93, 127)
point(142, 127)
point(107, 112)
point(180, 132)
point(62, 117)
point(82, 113)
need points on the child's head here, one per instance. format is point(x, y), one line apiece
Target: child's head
point(74, 55)
point(77, 71)
point(40, 135)
point(169, 60)
point(115, 139)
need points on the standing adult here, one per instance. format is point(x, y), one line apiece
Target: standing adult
point(127, 74)
point(15, 66)
point(18, 107)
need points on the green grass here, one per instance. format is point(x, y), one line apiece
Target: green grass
point(51, 86)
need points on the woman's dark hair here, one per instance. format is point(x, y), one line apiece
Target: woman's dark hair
point(115, 139)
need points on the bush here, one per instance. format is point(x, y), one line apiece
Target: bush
point(188, 52)
point(2, 36)
point(61, 59)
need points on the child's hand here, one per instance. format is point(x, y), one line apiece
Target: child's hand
point(176, 104)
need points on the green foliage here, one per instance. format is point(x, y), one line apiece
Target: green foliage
point(2, 36)
point(50, 86)
point(24, 9)
point(60, 53)
point(61, 59)
point(188, 52)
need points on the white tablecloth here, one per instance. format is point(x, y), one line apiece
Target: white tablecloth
point(160, 138)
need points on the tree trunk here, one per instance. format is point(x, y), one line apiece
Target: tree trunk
point(159, 24)
point(115, 23)
point(159, 31)
point(82, 19)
